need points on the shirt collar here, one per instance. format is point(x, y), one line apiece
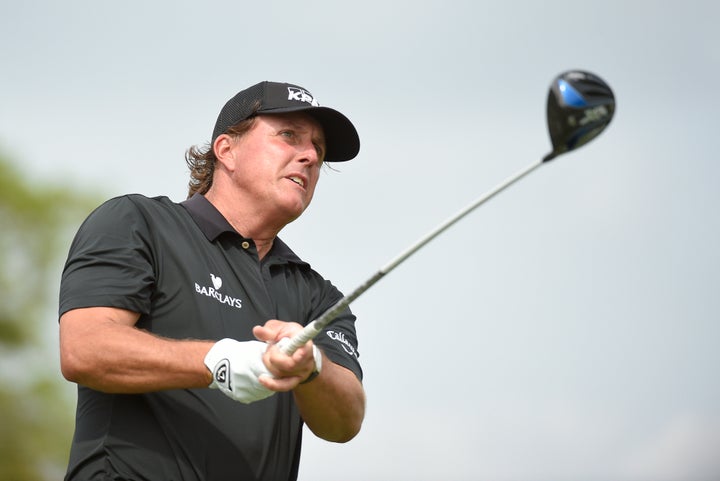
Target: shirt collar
point(207, 217)
point(212, 223)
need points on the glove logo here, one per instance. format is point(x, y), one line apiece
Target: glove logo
point(221, 373)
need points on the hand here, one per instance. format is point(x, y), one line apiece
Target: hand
point(287, 371)
point(237, 367)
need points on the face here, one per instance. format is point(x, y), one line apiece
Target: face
point(277, 163)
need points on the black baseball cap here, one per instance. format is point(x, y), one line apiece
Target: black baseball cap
point(341, 139)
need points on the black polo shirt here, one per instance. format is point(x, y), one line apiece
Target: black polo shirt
point(191, 275)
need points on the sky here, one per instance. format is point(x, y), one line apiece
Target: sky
point(566, 330)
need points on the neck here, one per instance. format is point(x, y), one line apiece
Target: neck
point(248, 219)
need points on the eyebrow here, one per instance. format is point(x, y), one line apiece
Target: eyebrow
point(303, 126)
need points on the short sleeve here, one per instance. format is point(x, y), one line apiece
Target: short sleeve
point(110, 262)
point(339, 339)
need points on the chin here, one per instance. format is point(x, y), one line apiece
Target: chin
point(293, 206)
point(292, 213)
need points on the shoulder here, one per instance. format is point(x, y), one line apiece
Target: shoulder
point(320, 288)
point(283, 257)
point(281, 253)
point(129, 206)
point(139, 202)
point(131, 215)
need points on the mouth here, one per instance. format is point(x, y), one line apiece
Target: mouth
point(298, 180)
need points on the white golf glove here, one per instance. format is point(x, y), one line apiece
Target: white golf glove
point(236, 367)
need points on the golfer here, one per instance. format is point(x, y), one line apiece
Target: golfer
point(170, 313)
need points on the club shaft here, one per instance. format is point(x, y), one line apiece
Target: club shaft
point(316, 326)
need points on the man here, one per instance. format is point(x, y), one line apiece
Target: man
point(170, 313)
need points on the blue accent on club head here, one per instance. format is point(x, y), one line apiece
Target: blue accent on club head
point(570, 96)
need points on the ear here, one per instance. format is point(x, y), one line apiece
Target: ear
point(222, 147)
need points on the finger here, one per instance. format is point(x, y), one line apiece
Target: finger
point(274, 330)
point(296, 360)
point(279, 363)
point(263, 334)
point(280, 384)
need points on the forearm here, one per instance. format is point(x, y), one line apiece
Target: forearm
point(333, 404)
point(111, 355)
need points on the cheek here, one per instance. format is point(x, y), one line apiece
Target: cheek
point(314, 181)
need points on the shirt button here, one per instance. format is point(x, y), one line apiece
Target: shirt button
point(245, 245)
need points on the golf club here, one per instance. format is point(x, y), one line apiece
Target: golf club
point(579, 107)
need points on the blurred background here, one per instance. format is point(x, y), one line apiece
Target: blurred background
point(567, 330)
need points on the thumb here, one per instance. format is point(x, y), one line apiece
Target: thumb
point(264, 334)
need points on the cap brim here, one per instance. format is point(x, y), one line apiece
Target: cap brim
point(342, 142)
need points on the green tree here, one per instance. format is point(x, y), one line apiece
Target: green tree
point(36, 413)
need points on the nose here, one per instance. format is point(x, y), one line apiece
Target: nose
point(309, 154)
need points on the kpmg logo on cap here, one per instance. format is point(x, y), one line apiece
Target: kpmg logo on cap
point(302, 95)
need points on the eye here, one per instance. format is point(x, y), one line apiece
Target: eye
point(287, 134)
point(320, 149)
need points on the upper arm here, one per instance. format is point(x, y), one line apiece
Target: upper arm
point(80, 319)
point(83, 332)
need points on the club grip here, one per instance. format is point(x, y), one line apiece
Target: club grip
point(298, 340)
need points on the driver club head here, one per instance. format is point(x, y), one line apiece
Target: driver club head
point(579, 107)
